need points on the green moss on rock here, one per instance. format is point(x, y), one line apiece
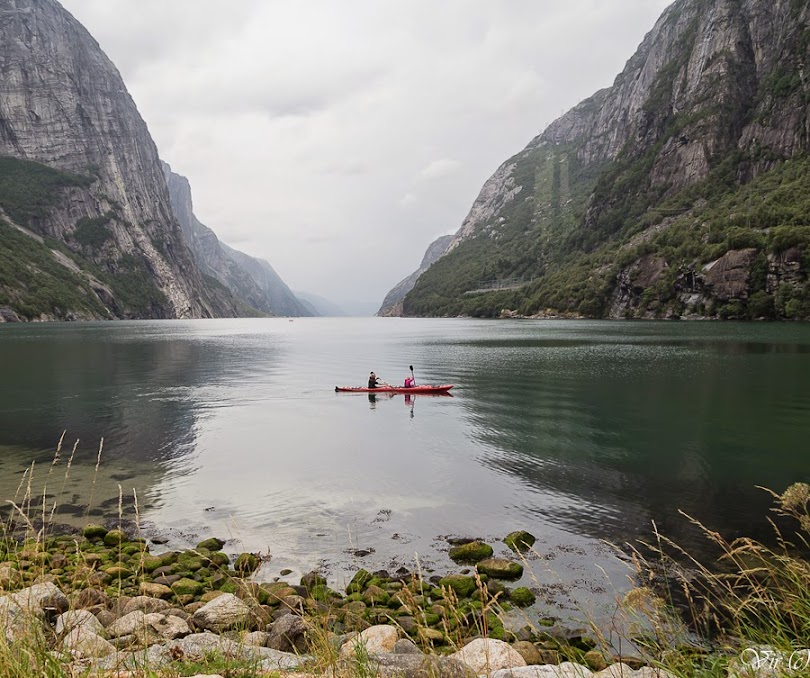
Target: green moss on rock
point(471, 552)
point(246, 564)
point(212, 544)
point(359, 582)
point(188, 587)
point(114, 538)
point(500, 568)
point(520, 541)
point(92, 532)
point(462, 585)
point(522, 597)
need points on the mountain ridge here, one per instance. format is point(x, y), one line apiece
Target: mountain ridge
point(249, 279)
point(619, 208)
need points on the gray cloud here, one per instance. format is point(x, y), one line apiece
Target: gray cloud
point(337, 139)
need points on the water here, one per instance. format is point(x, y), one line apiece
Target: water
point(576, 431)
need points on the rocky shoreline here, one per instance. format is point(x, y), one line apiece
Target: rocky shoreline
point(103, 601)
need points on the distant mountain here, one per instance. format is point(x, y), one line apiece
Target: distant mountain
point(250, 280)
point(86, 224)
point(392, 304)
point(680, 190)
point(320, 306)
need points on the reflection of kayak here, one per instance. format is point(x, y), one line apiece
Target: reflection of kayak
point(444, 388)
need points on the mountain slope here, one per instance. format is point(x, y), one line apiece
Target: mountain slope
point(79, 171)
point(251, 280)
point(392, 304)
point(679, 190)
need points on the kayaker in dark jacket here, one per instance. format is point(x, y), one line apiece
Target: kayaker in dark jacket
point(373, 381)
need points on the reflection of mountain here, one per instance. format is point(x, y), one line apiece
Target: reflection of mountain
point(140, 390)
point(615, 435)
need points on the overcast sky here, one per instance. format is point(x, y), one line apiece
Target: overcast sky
point(337, 139)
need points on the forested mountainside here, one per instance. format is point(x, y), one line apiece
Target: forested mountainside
point(392, 304)
point(683, 189)
point(252, 281)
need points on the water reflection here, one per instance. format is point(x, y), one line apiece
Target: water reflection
point(618, 431)
point(144, 388)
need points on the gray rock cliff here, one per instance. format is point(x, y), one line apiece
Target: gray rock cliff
point(708, 114)
point(252, 280)
point(64, 105)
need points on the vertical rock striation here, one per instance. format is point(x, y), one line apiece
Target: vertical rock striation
point(64, 105)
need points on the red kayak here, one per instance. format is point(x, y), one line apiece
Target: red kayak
point(444, 388)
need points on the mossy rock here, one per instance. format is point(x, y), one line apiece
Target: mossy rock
point(471, 552)
point(522, 597)
point(114, 538)
point(212, 544)
point(324, 594)
point(500, 568)
point(519, 541)
point(189, 561)
point(433, 636)
point(151, 563)
point(186, 587)
point(374, 595)
point(219, 559)
point(228, 586)
point(132, 549)
point(595, 660)
point(462, 585)
point(359, 582)
point(312, 579)
point(246, 564)
point(118, 572)
point(93, 532)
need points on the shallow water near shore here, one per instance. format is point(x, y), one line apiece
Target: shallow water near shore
point(580, 432)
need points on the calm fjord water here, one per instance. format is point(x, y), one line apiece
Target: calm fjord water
point(576, 431)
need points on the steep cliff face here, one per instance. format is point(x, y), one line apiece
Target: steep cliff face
point(625, 205)
point(392, 304)
point(258, 286)
point(96, 197)
point(281, 299)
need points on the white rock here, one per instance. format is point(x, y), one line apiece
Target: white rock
point(40, 596)
point(256, 639)
point(376, 640)
point(85, 644)
point(168, 628)
point(564, 670)
point(223, 613)
point(127, 625)
point(73, 619)
point(486, 655)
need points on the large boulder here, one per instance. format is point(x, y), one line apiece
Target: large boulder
point(485, 655)
point(223, 613)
